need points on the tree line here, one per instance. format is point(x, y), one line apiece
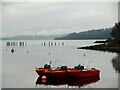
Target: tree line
point(116, 33)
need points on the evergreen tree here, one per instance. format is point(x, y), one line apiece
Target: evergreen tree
point(116, 32)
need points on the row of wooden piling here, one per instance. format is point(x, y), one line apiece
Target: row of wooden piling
point(14, 43)
point(52, 43)
point(22, 43)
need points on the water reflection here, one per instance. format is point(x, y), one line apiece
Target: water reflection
point(116, 62)
point(79, 82)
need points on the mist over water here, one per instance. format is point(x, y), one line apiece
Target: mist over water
point(19, 66)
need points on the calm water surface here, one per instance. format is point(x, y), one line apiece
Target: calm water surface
point(19, 67)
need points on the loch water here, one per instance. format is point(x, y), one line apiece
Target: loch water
point(18, 67)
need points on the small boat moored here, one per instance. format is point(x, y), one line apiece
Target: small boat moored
point(64, 71)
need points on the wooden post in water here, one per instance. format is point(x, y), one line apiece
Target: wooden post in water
point(44, 43)
point(62, 43)
point(49, 43)
point(55, 43)
point(8, 43)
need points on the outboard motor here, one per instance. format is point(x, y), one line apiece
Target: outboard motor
point(46, 66)
point(79, 67)
point(63, 68)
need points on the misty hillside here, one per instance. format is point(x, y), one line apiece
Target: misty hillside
point(92, 34)
point(32, 37)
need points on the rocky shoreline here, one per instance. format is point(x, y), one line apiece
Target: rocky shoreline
point(110, 47)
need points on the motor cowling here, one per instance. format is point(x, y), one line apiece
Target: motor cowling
point(46, 66)
point(79, 67)
point(63, 68)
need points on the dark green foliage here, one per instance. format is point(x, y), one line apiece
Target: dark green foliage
point(116, 32)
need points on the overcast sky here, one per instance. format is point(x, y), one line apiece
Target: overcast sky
point(44, 18)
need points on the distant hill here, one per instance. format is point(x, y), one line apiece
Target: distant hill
point(92, 34)
point(32, 37)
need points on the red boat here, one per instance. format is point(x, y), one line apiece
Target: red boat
point(63, 71)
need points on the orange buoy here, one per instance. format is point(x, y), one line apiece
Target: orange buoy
point(44, 78)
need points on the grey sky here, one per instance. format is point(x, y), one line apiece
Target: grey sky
point(57, 18)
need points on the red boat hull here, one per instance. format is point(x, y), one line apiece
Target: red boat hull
point(79, 73)
point(40, 71)
point(68, 72)
point(55, 73)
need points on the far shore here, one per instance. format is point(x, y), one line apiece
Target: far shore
point(110, 47)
